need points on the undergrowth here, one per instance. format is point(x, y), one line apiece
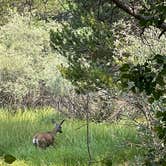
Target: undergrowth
point(117, 143)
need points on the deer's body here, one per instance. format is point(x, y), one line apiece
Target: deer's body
point(46, 139)
point(43, 140)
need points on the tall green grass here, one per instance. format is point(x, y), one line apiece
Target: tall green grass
point(107, 141)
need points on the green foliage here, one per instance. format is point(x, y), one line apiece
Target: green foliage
point(101, 45)
point(160, 128)
point(42, 9)
point(154, 9)
point(88, 44)
point(143, 63)
point(87, 41)
point(91, 43)
point(9, 158)
point(149, 77)
point(107, 141)
point(143, 71)
point(26, 59)
point(87, 78)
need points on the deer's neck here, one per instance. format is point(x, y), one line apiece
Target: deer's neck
point(54, 131)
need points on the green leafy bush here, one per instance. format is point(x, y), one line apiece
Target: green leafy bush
point(39, 8)
point(26, 60)
point(143, 71)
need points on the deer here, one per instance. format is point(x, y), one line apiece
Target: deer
point(45, 139)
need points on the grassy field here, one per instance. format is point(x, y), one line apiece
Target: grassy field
point(107, 141)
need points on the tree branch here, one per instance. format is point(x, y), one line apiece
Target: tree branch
point(138, 16)
point(87, 129)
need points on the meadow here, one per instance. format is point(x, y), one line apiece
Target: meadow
point(116, 143)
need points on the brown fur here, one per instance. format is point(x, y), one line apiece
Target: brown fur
point(46, 139)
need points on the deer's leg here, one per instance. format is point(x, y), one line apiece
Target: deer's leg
point(43, 144)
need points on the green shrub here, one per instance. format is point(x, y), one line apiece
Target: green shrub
point(26, 59)
point(39, 8)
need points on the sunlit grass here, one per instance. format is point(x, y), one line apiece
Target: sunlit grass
point(107, 141)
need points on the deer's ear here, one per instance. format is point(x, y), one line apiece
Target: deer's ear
point(62, 122)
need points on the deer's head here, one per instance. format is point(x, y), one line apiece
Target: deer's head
point(58, 127)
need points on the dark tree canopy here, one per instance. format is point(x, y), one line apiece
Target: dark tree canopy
point(88, 36)
point(87, 40)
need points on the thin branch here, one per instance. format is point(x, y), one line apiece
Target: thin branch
point(138, 16)
point(87, 129)
point(81, 126)
point(162, 33)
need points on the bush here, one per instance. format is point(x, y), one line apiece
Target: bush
point(27, 61)
point(39, 8)
point(136, 49)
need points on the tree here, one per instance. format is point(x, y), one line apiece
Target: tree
point(87, 40)
point(150, 13)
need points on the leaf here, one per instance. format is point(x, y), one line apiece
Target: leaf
point(151, 100)
point(160, 80)
point(148, 89)
point(8, 158)
point(160, 58)
point(163, 72)
point(127, 76)
point(157, 94)
point(125, 67)
point(159, 114)
point(143, 22)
